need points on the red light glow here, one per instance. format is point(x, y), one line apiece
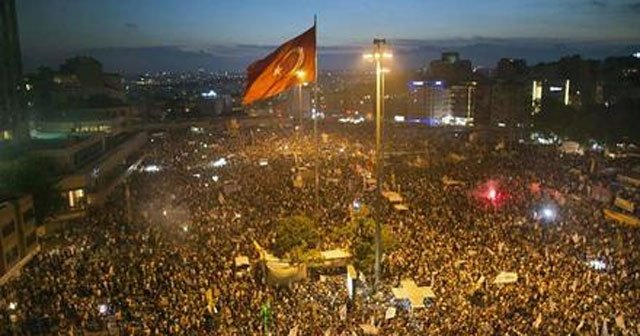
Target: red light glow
point(491, 194)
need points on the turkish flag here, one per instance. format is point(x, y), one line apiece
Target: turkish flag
point(292, 63)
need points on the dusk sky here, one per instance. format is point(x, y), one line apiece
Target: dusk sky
point(225, 28)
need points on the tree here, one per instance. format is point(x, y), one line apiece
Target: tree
point(360, 232)
point(592, 121)
point(295, 234)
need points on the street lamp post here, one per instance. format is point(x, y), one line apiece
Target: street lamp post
point(378, 55)
point(300, 74)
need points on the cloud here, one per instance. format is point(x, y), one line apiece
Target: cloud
point(634, 7)
point(410, 54)
point(599, 4)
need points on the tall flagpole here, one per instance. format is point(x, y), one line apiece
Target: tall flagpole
point(315, 122)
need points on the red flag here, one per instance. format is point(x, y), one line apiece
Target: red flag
point(292, 63)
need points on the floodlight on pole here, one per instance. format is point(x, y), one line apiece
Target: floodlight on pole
point(378, 55)
point(300, 74)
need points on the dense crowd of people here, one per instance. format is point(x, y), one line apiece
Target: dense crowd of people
point(141, 265)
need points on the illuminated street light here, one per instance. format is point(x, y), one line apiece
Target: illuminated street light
point(379, 53)
point(300, 74)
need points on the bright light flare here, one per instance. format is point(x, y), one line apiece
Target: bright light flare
point(492, 194)
point(219, 163)
point(548, 213)
point(103, 309)
point(598, 265)
point(301, 75)
point(151, 169)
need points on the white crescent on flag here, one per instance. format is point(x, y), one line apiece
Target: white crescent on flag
point(290, 63)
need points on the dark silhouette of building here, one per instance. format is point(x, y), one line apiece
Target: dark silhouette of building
point(18, 237)
point(511, 69)
point(11, 111)
point(510, 104)
point(450, 68)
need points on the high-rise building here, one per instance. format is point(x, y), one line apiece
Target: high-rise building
point(11, 111)
point(450, 57)
point(450, 68)
point(510, 104)
point(436, 99)
point(463, 99)
point(429, 99)
point(536, 97)
point(18, 240)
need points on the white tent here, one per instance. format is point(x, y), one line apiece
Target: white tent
point(392, 196)
point(506, 277)
point(369, 329)
point(408, 290)
point(241, 261)
point(335, 254)
point(390, 313)
point(401, 207)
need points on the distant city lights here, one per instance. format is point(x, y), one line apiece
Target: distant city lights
point(210, 94)
point(352, 120)
point(457, 121)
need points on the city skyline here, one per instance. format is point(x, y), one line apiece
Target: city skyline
point(204, 34)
